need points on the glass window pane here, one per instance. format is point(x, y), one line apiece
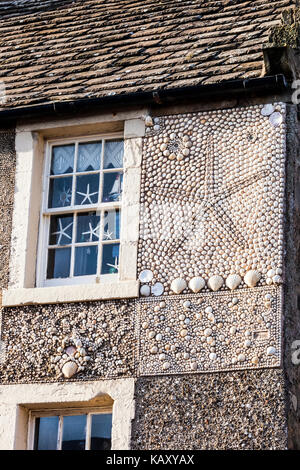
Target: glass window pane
point(113, 154)
point(46, 430)
point(110, 258)
point(111, 225)
point(87, 189)
point(74, 432)
point(112, 187)
point(58, 263)
point(101, 432)
point(88, 227)
point(62, 159)
point(60, 192)
point(85, 260)
point(89, 155)
point(61, 227)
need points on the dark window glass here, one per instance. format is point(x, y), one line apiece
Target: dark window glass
point(88, 227)
point(61, 227)
point(60, 192)
point(112, 187)
point(101, 432)
point(46, 430)
point(87, 189)
point(110, 258)
point(111, 225)
point(85, 260)
point(74, 432)
point(58, 263)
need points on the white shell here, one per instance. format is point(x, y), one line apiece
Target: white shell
point(241, 358)
point(276, 119)
point(233, 281)
point(145, 291)
point(69, 369)
point(157, 289)
point(215, 282)
point(212, 356)
point(166, 365)
point(178, 285)
point(277, 279)
point(186, 304)
point(146, 275)
point(148, 121)
point(196, 284)
point(271, 351)
point(251, 278)
point(267, 110)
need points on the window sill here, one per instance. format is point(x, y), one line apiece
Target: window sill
point(75, 293)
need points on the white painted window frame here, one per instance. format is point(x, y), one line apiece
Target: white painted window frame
point(45, 215)
point(23, 288)
point(61, 412)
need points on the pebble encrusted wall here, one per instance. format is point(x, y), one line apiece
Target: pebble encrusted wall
point(7, 181)
point(83, 341)
point(236, 410)
point(210, 332)
point(210, 263)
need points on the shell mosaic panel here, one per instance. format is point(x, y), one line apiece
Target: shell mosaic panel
point(210, 263)
point(210, 332)
point(212, 199)
point(81, 341)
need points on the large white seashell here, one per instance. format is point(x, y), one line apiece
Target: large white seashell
point(148, 121)
point(251, 278)
point(215, 282)
point(69, 369)
point(157, 289)
point(271, 351)
point(233, 281)
point(178, 285)
point(196, 284)
point(267, 110)
point(146, 275)
point(145, 291)
point(276, 119)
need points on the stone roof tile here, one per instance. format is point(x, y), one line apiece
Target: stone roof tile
point(63, 50)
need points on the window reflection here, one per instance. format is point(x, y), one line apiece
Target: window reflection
point(101, 432)
point(74, 432)
point(46, 433)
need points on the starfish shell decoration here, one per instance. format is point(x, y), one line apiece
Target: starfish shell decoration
point(210, 202)
point(62, 231)
point(87, 196)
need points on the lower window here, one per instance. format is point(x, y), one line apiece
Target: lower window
point(72, 430)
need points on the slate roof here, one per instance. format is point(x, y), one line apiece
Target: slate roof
point(63, 50)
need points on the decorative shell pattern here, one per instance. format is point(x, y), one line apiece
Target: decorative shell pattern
point(217, 209)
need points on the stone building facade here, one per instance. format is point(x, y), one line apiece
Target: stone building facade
point(190, 339)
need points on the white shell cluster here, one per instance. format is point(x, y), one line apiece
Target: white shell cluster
point(212, 331)
point(156, 289)
point(219, 210)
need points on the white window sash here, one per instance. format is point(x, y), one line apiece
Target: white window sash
point(44, 226)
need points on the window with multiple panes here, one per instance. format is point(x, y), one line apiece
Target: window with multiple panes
point(72, 430)
point(81, 211)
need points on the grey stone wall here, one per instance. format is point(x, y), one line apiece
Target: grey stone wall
point(236, 410)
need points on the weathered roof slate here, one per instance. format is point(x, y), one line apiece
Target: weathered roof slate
point(63, 50)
